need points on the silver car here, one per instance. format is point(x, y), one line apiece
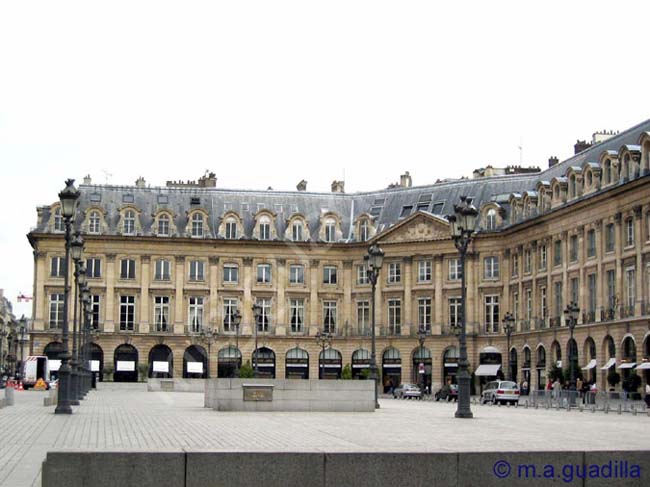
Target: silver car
point(407, 390)
point(500, 391)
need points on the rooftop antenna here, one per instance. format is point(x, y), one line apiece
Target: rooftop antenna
point(106, 175)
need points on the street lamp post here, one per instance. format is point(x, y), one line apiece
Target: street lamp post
point(236, 320)
point(76, 251)
point(374, 259)
point(324, 341)
point(508, 328)
point(257, 313)
point(572, 312)
point(23, 329)
point(68, 197)
point(209, 336)
point(422, 335)
point(3, 335)
point(462, 225)
point(83, 364)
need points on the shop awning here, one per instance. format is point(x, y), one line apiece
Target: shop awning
point(643, 366)
point(590, 365)
point(487, 370)
point(610, 363)
point(451, 364)
point(627, 365)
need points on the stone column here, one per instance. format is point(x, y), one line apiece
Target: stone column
point(408, 304)
point(638, 239)
point(618, 219)
point(41, 302)
point(109, 323)
point(314, 324)
point(213, 300)
point(281, 305)
point(145, 261)
point(533, 290)
point(347, 320)
point(179, 278)
point(600, 283)
point(438, 304)
point(246, 326)
point(472, 306)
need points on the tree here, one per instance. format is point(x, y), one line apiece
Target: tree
point(246, 371)
point(632, 383)
point(613, 378)
point(347, 372)
point(556, 373)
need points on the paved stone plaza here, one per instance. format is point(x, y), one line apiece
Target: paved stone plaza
point(127, 417)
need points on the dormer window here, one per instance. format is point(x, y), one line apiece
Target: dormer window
point(491, 219)
point(58, 221)
point(197, 225)
point(231, 228)
point(163, 226)
point(297, 231)
point(94, 222)
point(364, 231)
point(330, 230)
point(265, 228)
point(128, 224)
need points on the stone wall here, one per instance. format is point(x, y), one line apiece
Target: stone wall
point(176, 385)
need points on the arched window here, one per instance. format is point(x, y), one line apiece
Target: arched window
point(330, 230)
point(265, 228)
point(231, 228)
point(163, 225)
point(607, 172)
point(491, 219)
point(297, 234)
point(573, 190)
point(197, 225)
point(589, 179)
point(128, 224)
point(58, 221)
point(94, 222)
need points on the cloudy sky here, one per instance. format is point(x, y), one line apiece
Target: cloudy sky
point(266, 93)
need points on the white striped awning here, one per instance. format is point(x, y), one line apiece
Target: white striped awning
point(451, 364)
point(610, 363)
point(627, 365)
point(643, 366)
point(487, 370)
point(590, 365)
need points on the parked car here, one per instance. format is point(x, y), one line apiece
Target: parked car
point(500, 391)
point(407, 390)
point(447, 393)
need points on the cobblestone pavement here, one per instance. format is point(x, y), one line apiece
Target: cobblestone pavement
point(128, 417)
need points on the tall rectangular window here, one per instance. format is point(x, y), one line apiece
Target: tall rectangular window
point(557, 253)
point(195, 314)
point(492, 314)
point(629, 232)
point(162, 270)
point(264, 273)
point(363, 316)
point(56, 310)
point(611, 289)
point(127, 312)
point(197, 270)
point(297, 274)
point(573, 248)
point(197, 225)
point(394, 272)
point(527, 261)
point(329, 316)
point(297, 232)
point(95, 301)
point(591, 243)
point(454, 311)
point(297, 313)
point(394, 316)
point(230, 273)
point(491, 267)
point(362, 275)
point(57, 267)
point(424, 313)
point(231, 229)
point(229, 312)
point(543, 303)
point(591, 279)
point(161, 313)
point(575, 289)
point(558, 301)
point(265, 231)
point(94, 268)
point(424, 271)
point(163, 226)
point(529, 304)
point(610, 237)
point(630, 290)
point(127, 269)
point(455, 271)
point(542, 257)
point(264, 319)
point(329, 274)
point(515, 265)
point(515, 305)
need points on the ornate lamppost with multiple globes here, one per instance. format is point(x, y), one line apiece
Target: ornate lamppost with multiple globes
point(508, 328)
point(374, 260)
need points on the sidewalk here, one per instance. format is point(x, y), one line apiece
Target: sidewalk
point(117, 417)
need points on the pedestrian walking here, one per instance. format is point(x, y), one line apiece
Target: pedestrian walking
point(647, 395)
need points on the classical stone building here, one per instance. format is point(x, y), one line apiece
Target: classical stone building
point(167, 263)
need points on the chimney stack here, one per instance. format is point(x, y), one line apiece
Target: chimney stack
point(140, 182)
point(87, 180)
point(405, 180)
point(338, 186)
point(552, 161)
point(302, 186)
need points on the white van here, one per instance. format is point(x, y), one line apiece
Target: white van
point(35, 367)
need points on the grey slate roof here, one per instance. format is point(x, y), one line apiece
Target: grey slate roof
point(349, 206)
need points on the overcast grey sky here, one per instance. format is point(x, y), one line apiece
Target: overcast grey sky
point(266, 93)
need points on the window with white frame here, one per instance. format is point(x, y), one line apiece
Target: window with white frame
point(542, 257)
point(329, 316)
point(492, 314)
point(454, 311)
point(127, 312)
point(329, 274)
point(629, 232)
point(162, 270)
point(93, 268)
point(128, 224)
point(610, 277)
point(264, 273)
point(265, 228)
point(557, 286)
point(195, 314)
point(591, 243)
point(527, 261)
point(59, 224)
point(161, 313)
point(56, 310)
point(231, 228)
point(424, 313)
point(491, 267)
point(95, 303)
point(229, 311)
point(362, 275)
point(127, 269)
point(515, 305)
point(163, 226)
point(364, 231)
point(491, 219)
point(297, 315)
point(230, 273)
point(424, 271)
point(515, 265)
point(529, 304)
point(363, 316)
point(575, 289)
point(264, 319)
point(297, 231)
point(330, 230)
point(610, 237)
point(197, 270)
point(591, 279)
point(197, 225)
point(394, 316)
point(543, 304)
point(57, 267)
point(296, 274)
point(394, 272)
point(94, 222)
point(573, 248)
point(557, 253)
point(455, 270)
point(630, 289)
